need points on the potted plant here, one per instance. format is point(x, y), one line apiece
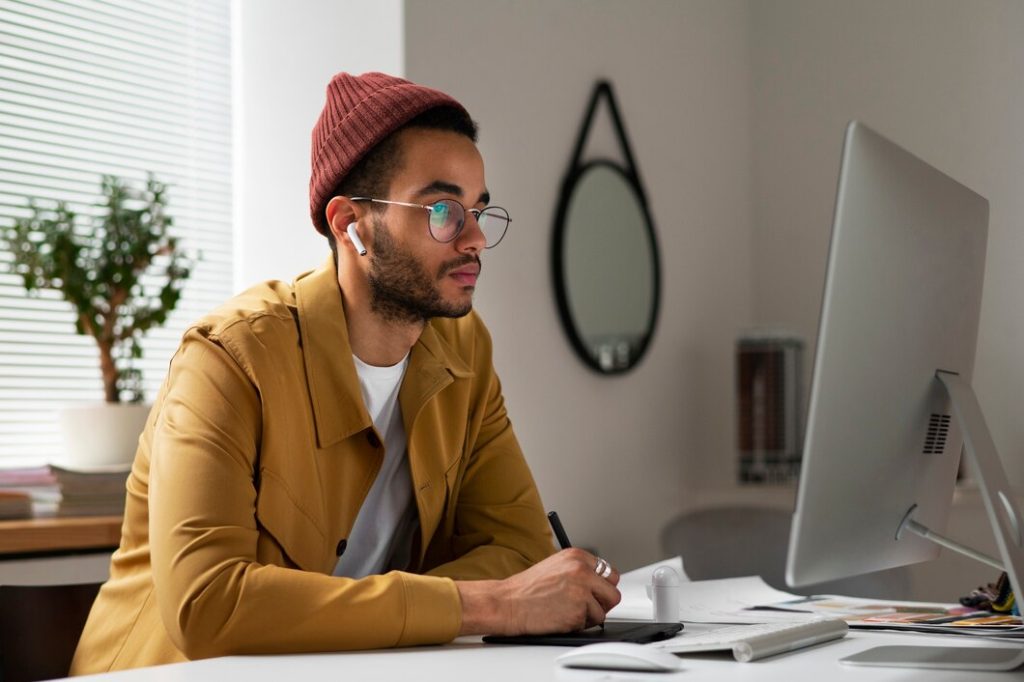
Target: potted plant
point(122, 273)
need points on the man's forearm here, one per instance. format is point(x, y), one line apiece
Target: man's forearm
point(481, 604)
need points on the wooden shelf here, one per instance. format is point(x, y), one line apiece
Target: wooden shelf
point(59, 534)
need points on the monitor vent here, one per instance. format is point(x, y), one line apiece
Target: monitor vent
point(938, 429)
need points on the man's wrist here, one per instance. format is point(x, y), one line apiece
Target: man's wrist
point(481, 606)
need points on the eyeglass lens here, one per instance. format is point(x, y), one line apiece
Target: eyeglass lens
point(447, 218)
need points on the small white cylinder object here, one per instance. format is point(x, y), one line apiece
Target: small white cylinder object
point(665, 594)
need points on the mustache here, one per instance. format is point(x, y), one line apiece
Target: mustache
point(458, 263)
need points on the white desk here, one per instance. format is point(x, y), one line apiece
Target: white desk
point(469, 660)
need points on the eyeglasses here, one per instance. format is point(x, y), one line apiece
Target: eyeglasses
point(446, 219)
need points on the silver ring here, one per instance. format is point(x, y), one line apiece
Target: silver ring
point(603, 568)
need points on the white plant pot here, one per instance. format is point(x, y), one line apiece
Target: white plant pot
point(102, 434)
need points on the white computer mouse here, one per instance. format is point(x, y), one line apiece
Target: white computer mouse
point(619, 656)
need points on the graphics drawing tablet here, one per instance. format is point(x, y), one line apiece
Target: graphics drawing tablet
point(640, 632)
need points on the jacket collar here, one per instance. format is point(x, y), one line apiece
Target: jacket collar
point(338, 408)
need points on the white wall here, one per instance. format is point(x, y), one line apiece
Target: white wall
point(735, 111)
point(285, 52)
point(525, 70)
point(612, 455)
point(942, 78)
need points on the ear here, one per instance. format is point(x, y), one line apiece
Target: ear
point(340, 212)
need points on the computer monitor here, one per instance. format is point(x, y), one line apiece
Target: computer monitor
point(891, 401)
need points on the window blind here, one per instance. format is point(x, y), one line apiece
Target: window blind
point(117, 87)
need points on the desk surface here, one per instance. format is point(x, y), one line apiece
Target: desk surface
point(469, 660)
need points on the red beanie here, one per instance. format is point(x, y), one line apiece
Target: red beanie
point(360, 112)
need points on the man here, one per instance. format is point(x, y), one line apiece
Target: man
point(329, 465)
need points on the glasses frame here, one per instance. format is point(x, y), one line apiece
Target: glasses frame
point(429, 208)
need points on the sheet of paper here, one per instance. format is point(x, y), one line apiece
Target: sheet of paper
point(729, 600)
point(704, 601)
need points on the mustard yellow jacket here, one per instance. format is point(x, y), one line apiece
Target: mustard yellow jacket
point(255, 460)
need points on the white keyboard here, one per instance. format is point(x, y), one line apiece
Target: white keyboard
point(751, 642)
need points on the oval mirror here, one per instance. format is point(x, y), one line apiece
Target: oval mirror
point(605, 256)
point(608, 279)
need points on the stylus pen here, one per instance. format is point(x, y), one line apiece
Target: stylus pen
point(556, 525)
point(563, 539)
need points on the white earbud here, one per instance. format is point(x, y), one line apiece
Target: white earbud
point(354, 236)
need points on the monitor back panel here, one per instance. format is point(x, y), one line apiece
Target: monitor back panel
point(902, 299)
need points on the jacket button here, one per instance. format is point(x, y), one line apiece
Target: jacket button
point(372, 438)
point(342, 544)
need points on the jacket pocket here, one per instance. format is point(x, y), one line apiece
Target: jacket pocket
point(292, 527)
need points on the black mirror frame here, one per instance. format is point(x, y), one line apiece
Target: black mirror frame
point(574, 174)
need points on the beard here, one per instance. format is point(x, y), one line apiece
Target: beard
point(401, 290)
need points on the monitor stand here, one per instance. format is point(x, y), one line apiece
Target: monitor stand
point(1007, 524)
point(986, 658)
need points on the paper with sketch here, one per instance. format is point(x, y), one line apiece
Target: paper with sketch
point(848, 608)
point(704, 601)
point(907, 615)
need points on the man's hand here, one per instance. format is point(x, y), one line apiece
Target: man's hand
point(560, 594)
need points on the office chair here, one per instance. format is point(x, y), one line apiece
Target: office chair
point(736, 541)
point(39, 629)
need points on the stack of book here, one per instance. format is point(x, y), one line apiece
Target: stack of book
point(15, 505)
point(52, 490)
point(91, 493)
point(30, 491)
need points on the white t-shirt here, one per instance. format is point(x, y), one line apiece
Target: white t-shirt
point(382, 535)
